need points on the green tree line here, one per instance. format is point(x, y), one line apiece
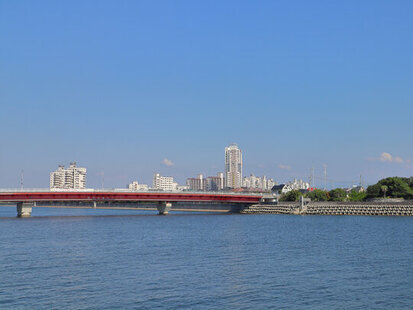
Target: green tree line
point(393, 187)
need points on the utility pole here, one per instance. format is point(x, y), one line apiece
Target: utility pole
point(22, 179)
point(103, 178)
point(311, 178)
point(325, 176)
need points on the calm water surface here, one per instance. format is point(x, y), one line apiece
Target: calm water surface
point(103, 259)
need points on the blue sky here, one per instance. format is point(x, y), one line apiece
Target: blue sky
point(120, 86)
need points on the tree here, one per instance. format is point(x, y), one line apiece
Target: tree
point(373, 191)
point(384, 189)
point(409, 182)
point(394, 187)
point(337, 194)
point(397, 188)
point(293, 195)
point(357, 196)
point(318, 195)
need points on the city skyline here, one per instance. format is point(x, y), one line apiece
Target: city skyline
point(206, 154)
point(127, 90)
point(75, 178)
point(321, 179)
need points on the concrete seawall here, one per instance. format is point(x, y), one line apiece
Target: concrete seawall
point(404, 208)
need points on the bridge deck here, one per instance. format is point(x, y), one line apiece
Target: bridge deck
point(126, 196)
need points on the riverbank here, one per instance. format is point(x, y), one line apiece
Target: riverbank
point(404, 208)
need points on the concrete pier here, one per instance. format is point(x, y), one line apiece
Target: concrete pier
point(24, 209)
point(164, 207)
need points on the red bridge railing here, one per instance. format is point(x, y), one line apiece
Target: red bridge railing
point(126, 196)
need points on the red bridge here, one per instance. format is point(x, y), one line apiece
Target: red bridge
point(161, 201)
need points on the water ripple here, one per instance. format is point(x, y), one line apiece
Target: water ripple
point(129, 261)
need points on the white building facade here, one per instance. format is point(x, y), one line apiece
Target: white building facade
point(197, 184)
point(71, 178)
point(216, 183)
point(299, 184)
point(136, 187)
point(233, 166)
point(164, 183)
point(261, 183)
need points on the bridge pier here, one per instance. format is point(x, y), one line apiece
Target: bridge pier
point(24, 209)
point(164, 207)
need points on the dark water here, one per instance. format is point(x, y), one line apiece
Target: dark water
point(129, 260)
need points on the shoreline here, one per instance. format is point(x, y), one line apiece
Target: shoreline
point(404, 208)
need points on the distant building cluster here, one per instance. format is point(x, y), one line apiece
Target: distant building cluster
point(299, 184)
point(261, 183)
point(72, 178)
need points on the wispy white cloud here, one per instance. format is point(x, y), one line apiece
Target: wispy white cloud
point(167, 162)
point(398, 160)
point(386, 157)
point(389, 158)
point(284, 167)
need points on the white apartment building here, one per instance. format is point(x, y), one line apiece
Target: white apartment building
point(215, 183)
point(197, 184)
point(233, 166)
point(258, 182)
point(164, 183)
point(136, 187)
point(71, 178)
point(200, 183)
point(299, 184)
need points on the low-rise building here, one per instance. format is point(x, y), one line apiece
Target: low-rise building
point(281, 189)
point(136, 187)
point(355, 188)
point(299, 185)
point(182, 188)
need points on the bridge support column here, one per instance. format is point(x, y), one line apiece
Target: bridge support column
point(24, 209)
point(164, 207)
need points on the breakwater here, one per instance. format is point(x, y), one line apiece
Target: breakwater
point(404, 208)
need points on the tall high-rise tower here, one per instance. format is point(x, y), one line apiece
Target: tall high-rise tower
point(233, 166)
